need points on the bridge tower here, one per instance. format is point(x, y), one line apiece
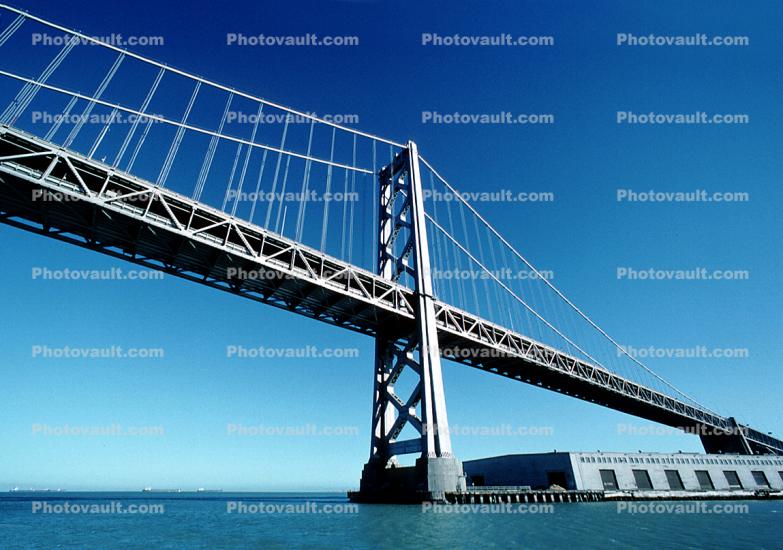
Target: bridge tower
point(403, 252)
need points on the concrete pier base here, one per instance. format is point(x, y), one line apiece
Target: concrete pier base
point(429, 480)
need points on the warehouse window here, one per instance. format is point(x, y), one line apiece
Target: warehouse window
point(733, 479)
point(642, 479)
point(705, 481)
point(760, 478)
point(674, 479)
point(609, 480)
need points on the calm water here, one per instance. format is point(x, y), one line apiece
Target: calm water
point(327, 521)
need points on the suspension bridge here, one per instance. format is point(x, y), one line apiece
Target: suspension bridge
point(106, 149)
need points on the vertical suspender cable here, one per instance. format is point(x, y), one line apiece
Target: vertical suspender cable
point(166, 168)
point(231, 177)
point(135, 124)
point(247, 160)
point(326, 194)
point(103, 133)
point(29, 91)
point(139, 144)
point(280, 208)
point(210, 155)
point(344, 239)
point(277, 172)
point(374, 207)
point(91, 104)
point(353, 203)
point(305, 187)
point(11, 29)
point(463, 303)
point(59, 120)
point(258, 185)
point(484, 261)
point(467, 247)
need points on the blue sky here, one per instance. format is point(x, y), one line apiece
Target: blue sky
point(388, 80)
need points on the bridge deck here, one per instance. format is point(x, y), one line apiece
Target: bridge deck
point(66, 196)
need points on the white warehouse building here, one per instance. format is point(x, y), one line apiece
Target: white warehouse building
point(629, 471)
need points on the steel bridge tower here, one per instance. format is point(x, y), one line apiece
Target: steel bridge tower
point(403, 251)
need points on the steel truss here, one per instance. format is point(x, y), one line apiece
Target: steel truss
point(97, 207)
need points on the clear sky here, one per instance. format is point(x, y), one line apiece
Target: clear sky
point(195, 391)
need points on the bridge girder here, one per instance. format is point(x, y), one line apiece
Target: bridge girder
point(98, 211)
